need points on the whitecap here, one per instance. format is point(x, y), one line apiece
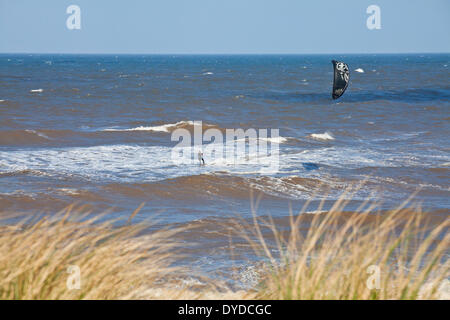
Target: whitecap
point(36, 90)
point(69, 191)
point(38, 134)
point(278, 139)
point(322, 136)
point(161, 128)
point(274, 139)
point(360, 70)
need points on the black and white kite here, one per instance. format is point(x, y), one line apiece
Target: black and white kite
point(341, 78)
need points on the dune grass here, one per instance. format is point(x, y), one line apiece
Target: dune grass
point(37, 258)
point(342, 255)
point(71, 255)
point(324, 255)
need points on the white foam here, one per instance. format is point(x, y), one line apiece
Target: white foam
point(131, 163)
point(69, 191)
point(322, 136)
point(161, 128)
point(36, 90)
point(275, 139)
point(208, 73)
point(360, 70)
point(315, 212)
point(278, 139)
point(38, 134)
point(134, 163)
point(2, 100)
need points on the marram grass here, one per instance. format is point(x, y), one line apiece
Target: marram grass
point(353, 255)
point(36, 258)
point(325, 255)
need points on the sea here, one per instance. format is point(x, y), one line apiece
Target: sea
point(100, 131)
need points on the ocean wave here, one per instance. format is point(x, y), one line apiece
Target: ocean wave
point(69, 191)
point(54, 137)
point(412, 184)
point(46, 136)
point(169, 127)
point(278, 139)
point(11, 137)
point(218, 186)
point(42, 135)
point(322, 136)
point(131, 162)
point(12, 170)
point(189, 125)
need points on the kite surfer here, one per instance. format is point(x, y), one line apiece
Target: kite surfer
point(200, 158)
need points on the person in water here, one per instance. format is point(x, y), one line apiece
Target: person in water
point(200, 158)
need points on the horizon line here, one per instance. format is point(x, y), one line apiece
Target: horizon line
point(225, 54)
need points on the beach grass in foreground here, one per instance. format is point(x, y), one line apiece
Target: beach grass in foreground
point(399, 254)
point(333, 254)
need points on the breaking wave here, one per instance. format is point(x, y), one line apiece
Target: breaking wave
point(169, 127)
point(322, 136)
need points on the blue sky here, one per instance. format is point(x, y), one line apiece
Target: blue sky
point(224, 26)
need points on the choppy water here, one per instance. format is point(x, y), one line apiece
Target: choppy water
point(97, 129)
